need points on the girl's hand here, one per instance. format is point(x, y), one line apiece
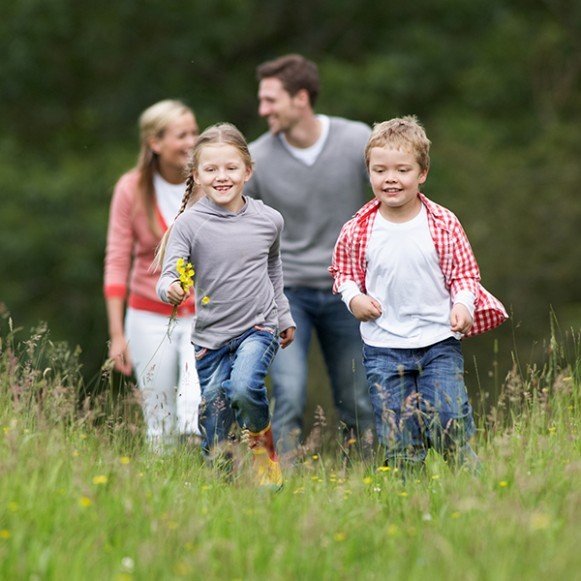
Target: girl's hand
point(287, 337)
point(119, 353)
point(460, 319)
point(365, 308)
point(176, 294)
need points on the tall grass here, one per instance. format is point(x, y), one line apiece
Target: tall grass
point(81, 497)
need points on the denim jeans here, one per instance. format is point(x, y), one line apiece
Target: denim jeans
point(419, 399)
point(232, 384)
point(338, 334)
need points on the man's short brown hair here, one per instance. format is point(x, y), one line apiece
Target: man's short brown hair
point(295, 72)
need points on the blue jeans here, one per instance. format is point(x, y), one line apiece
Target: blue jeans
point(338, 334)
point(232, 384)
point(419, 399)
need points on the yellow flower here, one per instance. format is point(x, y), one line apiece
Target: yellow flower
point(125, 460)
point(205, 300)
point(4, 534)
point(367, 480)
point(101, 479)
point(85, 501)
point(503, 484)
point(186, 272)
point(339, 537)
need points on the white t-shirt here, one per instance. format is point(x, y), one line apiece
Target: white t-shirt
point(404, 275)
point(309, 155)
point(168, 197)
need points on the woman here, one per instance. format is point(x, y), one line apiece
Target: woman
point(147, 199)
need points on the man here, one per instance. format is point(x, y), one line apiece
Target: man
point(311, 168)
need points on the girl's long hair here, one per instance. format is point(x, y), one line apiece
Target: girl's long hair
point(221, 133)
point(153, 122)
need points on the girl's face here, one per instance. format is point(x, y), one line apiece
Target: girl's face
point(175, 145)
point(222, 173)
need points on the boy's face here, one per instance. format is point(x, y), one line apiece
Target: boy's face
point(395, 178)
point(277, 106)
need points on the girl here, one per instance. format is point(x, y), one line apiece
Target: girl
point(145, 200)
point(233, 243)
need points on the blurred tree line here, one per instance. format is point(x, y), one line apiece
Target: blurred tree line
point(496, 83)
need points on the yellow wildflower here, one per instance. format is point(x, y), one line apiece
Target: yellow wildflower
point(367, 480)
point(124, 460)
point(339, 537)
point(5, 534)
point(186, 272)
point(503, 484)
point(101, 479)
point(85, 501)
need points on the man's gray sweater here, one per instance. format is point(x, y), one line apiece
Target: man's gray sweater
point(315, 200)
point(238, 279)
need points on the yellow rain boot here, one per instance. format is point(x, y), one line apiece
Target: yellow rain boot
point(265, 462)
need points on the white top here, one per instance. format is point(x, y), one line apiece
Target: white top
point(309, 155)
point(168, 197)
point(404, 275)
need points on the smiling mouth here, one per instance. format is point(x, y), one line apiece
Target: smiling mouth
point(222, 188)
point(392, 190)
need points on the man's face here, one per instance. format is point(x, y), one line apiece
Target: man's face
point(277, 106)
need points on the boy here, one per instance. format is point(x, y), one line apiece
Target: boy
point(405, 269)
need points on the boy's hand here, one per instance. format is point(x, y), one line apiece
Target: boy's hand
point(287, 337)
point(460, 319)
point(176, 294)
point(365, 308)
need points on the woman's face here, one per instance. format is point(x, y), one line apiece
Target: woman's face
point(175, 144)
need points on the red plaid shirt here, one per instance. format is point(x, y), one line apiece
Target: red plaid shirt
point(456, 258)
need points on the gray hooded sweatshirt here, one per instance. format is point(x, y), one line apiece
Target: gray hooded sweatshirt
point(238, 279)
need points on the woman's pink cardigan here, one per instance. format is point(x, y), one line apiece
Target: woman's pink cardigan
point(130, 251)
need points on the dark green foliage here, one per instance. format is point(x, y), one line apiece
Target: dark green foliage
point(496, 82)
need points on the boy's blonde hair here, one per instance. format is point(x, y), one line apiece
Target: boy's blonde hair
point(153, 123)
point(221, 133)
point(402, 133)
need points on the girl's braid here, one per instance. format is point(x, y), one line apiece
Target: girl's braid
point(160, 252)
point(187, 194)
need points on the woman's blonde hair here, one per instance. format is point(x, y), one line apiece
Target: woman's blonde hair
point(401, 132)
point(221, 133)
point(153, 122)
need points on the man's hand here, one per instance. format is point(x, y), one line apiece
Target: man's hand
point(176, 294)
point(287, 337)
point(365, 308)
point(460, 319)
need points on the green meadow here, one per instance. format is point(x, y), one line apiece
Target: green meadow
point(81, 497)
